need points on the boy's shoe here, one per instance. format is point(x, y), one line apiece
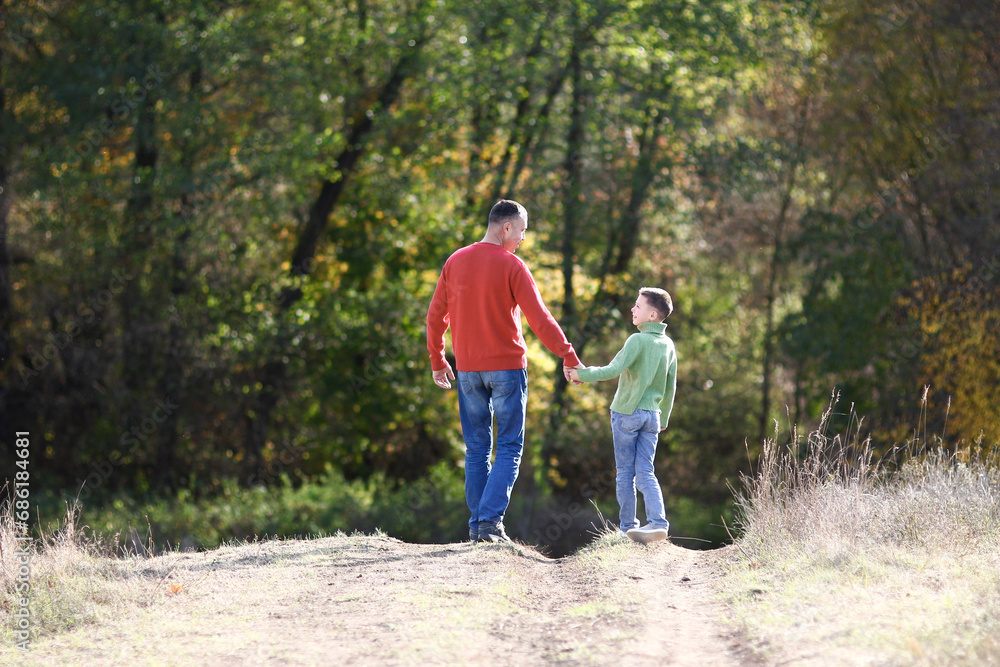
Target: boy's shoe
point(492, 532)
point(646, 534)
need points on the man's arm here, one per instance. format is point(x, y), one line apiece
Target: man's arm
point(540, 319)
point(437, 324)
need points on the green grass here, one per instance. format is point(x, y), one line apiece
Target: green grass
point(430, 510)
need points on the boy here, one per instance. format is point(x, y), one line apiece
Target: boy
point(641, 408)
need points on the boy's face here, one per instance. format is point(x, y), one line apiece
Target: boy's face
point(643, 312)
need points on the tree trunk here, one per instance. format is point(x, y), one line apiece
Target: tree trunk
point(261, 409)
point(519, 127)
point(618, 257)
point(624, 238)
point(138, 237)
point(6, 314)
point(172, 380)
point(771, 295)
point(134, 251)
point(572, 214)
point(572, 194)
point(527, 145)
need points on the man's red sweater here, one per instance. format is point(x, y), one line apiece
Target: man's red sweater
point(481, 293)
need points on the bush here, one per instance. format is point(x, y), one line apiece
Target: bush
point(431, 509)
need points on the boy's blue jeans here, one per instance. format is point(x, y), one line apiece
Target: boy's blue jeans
point(635, 446)
point(481, 395)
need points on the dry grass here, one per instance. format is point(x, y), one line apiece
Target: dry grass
point(75, 579)
point(847, 560)
point(303, 601)
point(367, 600)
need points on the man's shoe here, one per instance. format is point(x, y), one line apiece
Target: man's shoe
point(647, 534)
point(473, 534)
point(492, 532)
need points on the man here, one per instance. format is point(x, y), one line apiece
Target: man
point(482, 291)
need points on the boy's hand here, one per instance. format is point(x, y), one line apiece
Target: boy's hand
point(572, 375)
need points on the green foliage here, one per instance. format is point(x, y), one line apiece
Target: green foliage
point(847, 332)
point(429, 510)
point(705, 525)
point(241, 209)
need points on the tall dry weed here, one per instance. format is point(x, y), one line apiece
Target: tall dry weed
point(75, 578)
point(854, 559)
point(827, 488)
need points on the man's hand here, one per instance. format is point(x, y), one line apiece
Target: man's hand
point(571, 375)
point(442, 376)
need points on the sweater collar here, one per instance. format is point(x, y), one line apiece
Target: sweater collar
point(653, 327)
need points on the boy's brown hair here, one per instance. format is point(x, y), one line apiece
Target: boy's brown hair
point(659, 300)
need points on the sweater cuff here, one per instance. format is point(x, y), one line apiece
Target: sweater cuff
point(439, 362)
point(572, 360)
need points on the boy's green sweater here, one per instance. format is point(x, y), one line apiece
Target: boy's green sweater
point(648, 369)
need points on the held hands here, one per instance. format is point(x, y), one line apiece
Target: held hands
point(571, 373)
point(442, 376)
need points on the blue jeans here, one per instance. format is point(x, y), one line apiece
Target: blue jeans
point(635, 446)
point(481, 395)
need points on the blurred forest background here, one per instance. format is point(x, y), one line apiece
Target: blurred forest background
point(222, 223)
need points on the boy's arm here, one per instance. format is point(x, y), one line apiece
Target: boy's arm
point(618, 365)
point(667, 402)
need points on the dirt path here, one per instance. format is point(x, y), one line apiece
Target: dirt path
point(683, 614)
point(378, 601)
